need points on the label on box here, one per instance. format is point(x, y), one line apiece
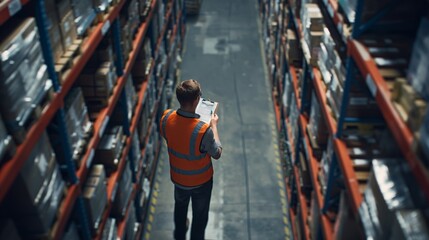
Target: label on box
point(103, 126)
point(371, 85)
point(90, 158)
point(105, 27)
point(14, 6)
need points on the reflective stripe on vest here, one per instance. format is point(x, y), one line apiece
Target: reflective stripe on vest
point(188, 166)
point(191, 172)
point(164, 122)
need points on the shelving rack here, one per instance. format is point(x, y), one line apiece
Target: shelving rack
point(54, 112)
point(355, 56)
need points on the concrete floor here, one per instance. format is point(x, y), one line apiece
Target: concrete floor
point(223, 52)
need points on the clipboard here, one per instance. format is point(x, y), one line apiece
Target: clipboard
point(205, 108)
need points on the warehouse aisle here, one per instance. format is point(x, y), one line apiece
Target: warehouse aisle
point(223, 53)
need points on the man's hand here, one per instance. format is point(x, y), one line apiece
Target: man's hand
point(214, 120)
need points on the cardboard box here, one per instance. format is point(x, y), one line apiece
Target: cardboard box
point(95, 196)
point(109, 149)
point(63, 7)
point(68, 30)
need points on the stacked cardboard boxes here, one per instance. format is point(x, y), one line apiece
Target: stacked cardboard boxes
point(79, 128)
point(109, 149)
point(312, 29)
point(35, 196)
point(95, 196)
point(23, 76)
point(84, 15)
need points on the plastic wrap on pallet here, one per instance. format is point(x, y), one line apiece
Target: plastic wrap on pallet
point(287, 93)
point(100, 5)
point(6, 143)
point(95, 196)
point(418, 73)
point(23, 74)
point(409, 224)
point(77, 121)
point(387, 192)
point(123, 194)
point(137, 155)
point(110, 231)
point(349, 8)
point(84, 14)
point(130, 92)
point(37, 192)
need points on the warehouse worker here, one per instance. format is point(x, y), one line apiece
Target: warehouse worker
point(191, 145)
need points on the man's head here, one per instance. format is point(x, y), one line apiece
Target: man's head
point(188, 93)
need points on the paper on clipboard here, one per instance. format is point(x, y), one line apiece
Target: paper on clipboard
point(205, 108)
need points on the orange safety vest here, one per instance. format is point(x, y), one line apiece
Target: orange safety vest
point(188, 166)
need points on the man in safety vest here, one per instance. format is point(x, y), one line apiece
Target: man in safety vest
point(191, 145)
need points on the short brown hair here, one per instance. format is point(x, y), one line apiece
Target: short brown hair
point(187, 92)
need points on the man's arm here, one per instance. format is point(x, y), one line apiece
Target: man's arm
point(213, 125)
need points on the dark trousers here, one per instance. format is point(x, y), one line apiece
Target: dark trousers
point(200, 210)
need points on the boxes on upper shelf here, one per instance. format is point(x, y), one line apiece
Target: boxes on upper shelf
point(68, 30)
point(293, 49)
point(79, 128)
point(84, 15)
point(144, 8)
point(101, 5)
point(418, 74)
point(95, 196)
point(23, 76)
point(349, 8)
point(35, 196)
point(143, 63)
point(312, 29)
point(97, 86)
